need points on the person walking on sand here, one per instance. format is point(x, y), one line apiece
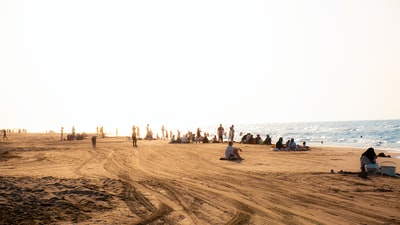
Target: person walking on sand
point(220, 132)
point(5, 135)
point(232, 153)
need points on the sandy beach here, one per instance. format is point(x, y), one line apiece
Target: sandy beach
point(48, 181)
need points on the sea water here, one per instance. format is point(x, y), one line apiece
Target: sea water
point(383, 134)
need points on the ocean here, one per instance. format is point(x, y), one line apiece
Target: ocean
point(383, 134)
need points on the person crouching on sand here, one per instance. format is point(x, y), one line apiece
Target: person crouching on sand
point(368, 159)
point(232, 153)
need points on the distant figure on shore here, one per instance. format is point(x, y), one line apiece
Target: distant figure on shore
point(62, 133)
point(268, 140)
point(149, 133)
point(214, 139)
point(162, 132)
point(247, 139)
point(220, 132)
point(102, 131)
point(5, 135)
point(258, 139)
point(94, 139)
point(134, 138)
point(232, 153)
point(231, 133)
point(205, 139)
point(198, 134)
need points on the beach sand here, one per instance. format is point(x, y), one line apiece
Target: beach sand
point(47, 181)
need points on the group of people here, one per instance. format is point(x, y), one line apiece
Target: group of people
point(290, 145)
point(221, 133)
point(250, 139)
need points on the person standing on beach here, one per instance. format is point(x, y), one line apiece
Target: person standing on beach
point(62, 133)
point(231, 133)
point(134, 138)
point(198, 135)
point(162, 132)
point(220, 132)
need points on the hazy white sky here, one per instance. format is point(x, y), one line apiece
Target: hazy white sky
point(180, 63)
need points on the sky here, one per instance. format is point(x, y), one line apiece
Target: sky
point(88, 63)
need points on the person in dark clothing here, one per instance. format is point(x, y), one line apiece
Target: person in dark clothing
point(5, 135)
point(267, 140)
point(368, 158)
point(279, 144)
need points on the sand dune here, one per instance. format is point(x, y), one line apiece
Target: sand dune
point(46, 181)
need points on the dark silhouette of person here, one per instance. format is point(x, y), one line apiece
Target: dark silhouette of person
point(279, 144)
point(268, 140)
point(5, 135)
point(94, 138)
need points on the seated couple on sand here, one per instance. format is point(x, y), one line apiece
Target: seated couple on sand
point(232, 153)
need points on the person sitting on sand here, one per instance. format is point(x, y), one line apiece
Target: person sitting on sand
point(214, 139)
point(245, 138)
point(172, 139)
point(279, 144)
point(303, 147)
point(267, 140)
point(368, 159)
point(185, 139)
point(258, 139)
point(232, 153)
point(293, 145)
point(205, 139)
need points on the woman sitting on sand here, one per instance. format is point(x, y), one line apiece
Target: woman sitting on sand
point(279, 144)
point(293, 145)
point(368, 159)
point(232, 153)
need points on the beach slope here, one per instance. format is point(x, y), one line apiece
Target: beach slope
point(47, 181)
